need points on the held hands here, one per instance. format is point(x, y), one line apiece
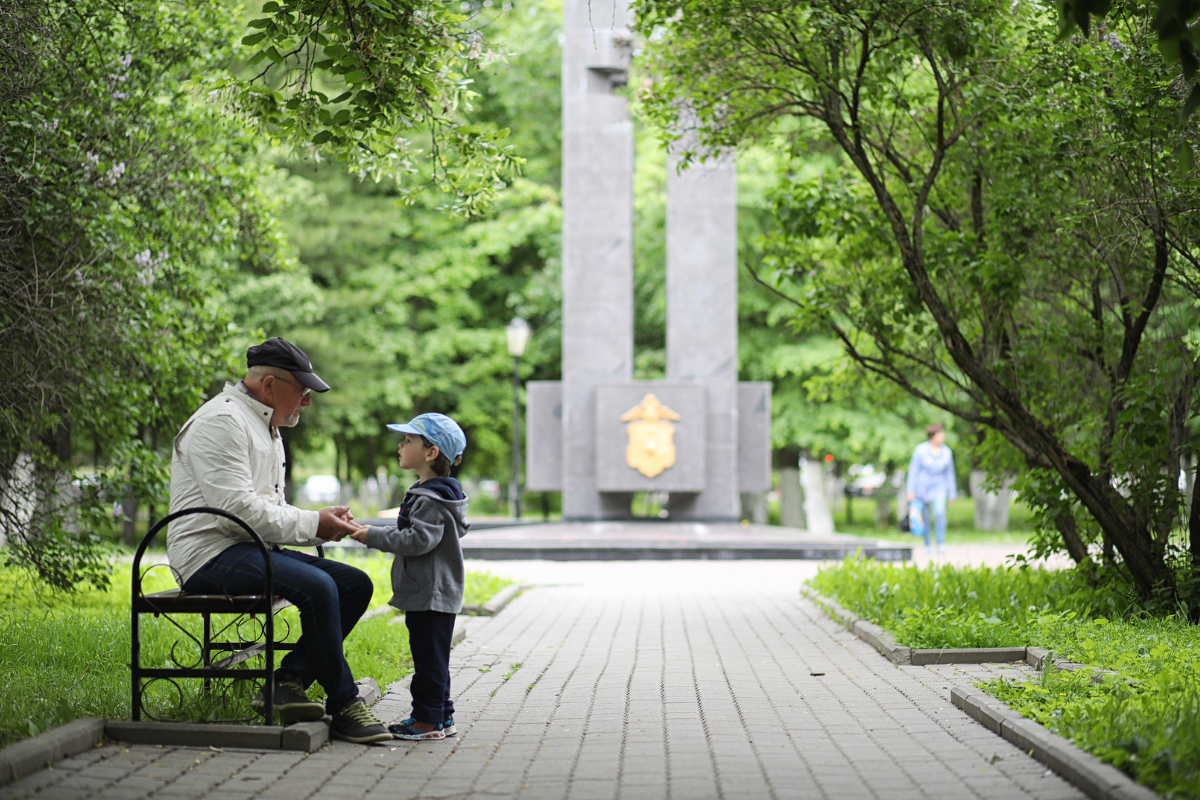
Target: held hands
point(335, 523)
point(360, 535)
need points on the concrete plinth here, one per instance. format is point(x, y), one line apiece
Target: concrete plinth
point(702, 321)
point(597, 239)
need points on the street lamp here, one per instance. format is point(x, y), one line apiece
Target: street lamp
point(517, 332)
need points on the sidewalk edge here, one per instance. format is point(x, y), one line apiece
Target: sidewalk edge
point(1096, 779)
point(24, 758)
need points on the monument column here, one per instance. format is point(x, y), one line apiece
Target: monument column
point(702, 330)
point(597, 240)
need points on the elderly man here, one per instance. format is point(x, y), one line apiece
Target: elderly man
point(229, 455)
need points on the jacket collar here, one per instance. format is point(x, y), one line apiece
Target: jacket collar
point(241, 394)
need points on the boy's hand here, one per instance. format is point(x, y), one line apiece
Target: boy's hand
point(360, 535)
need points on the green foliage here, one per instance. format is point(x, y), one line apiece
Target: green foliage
point(126, 205)
point(66, 656)
point(1145, 720)
point(401, 306)
point(357, 79)
point(947, 606)
point(971, 248)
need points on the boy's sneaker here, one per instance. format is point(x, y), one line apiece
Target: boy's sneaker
point(291, 702)
point(354, 722)
point(409, 730)
point(448, 727)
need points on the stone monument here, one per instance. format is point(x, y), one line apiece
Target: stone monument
point(599, 436)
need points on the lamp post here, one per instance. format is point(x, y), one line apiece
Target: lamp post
point(517, 332)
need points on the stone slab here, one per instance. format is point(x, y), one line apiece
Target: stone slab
point(368, 690)
point(258, 737)
point(1036, 656)
point(500, 599)
point(305, 737)
point(967, 655)
point(882, 641)
point(613, 472)
point(25, 758)
point(754, 437)
point(667, 541)
point(543, 436)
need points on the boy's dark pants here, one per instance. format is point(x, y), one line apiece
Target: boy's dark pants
point(429, 637)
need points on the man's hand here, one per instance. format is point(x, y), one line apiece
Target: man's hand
point(360, 535)
point(334, 523)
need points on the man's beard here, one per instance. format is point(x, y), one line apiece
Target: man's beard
point(293, 420)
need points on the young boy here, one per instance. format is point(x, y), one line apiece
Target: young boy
point(428, 573)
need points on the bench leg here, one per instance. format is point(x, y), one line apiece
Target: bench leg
point(206, 651)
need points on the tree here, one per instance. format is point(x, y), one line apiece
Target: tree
point(360, 80)
point(122, 205)
point(1004, 229)
point(402, 306)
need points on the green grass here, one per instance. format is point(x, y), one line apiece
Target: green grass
point(1146, 721)
point(66, 656)
point(960, 523)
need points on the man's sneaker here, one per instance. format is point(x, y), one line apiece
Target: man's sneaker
point(408, 730)
point(355, 723)
point(448, 727)
point(291, 702)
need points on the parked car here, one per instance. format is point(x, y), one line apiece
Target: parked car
point(319, 489)
point(865, 480)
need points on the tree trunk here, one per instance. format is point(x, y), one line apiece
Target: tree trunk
point(1065, 523)
point(1194, 530)
point(129, 507)
point(791, 493)
point(1009, 416)
point(991, 508)
point(816, 501)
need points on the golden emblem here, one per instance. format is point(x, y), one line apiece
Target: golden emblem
point(651, 438)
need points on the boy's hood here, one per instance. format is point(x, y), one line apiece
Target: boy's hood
point(448, 492)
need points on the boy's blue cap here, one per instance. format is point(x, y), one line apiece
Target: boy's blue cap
point(439, 429)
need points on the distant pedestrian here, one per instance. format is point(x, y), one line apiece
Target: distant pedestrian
point(931, 485)
point(428, 574)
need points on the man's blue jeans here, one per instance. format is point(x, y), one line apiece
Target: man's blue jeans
point(331, 597)
point(918, 518)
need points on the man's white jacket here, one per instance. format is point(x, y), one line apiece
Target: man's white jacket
point(228, 456)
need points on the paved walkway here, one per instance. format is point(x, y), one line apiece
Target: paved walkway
point(633, 680)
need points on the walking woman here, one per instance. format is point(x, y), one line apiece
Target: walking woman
point(931, 486)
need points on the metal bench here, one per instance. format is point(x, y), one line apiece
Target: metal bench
point(240, 647)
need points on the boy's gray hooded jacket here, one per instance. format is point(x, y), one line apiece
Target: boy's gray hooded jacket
point(428, 573)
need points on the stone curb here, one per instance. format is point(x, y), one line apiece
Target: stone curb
point(1089, 774)
point(1092, 776)
point(496, 604)
point(489, 609)
point(303, 736)
point(25, 758)
point(882, 641)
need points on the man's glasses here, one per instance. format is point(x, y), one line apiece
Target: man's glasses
point(305, 391)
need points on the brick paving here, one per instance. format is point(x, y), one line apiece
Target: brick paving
point(634, 680)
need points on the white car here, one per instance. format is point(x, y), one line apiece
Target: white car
point(319, 489)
